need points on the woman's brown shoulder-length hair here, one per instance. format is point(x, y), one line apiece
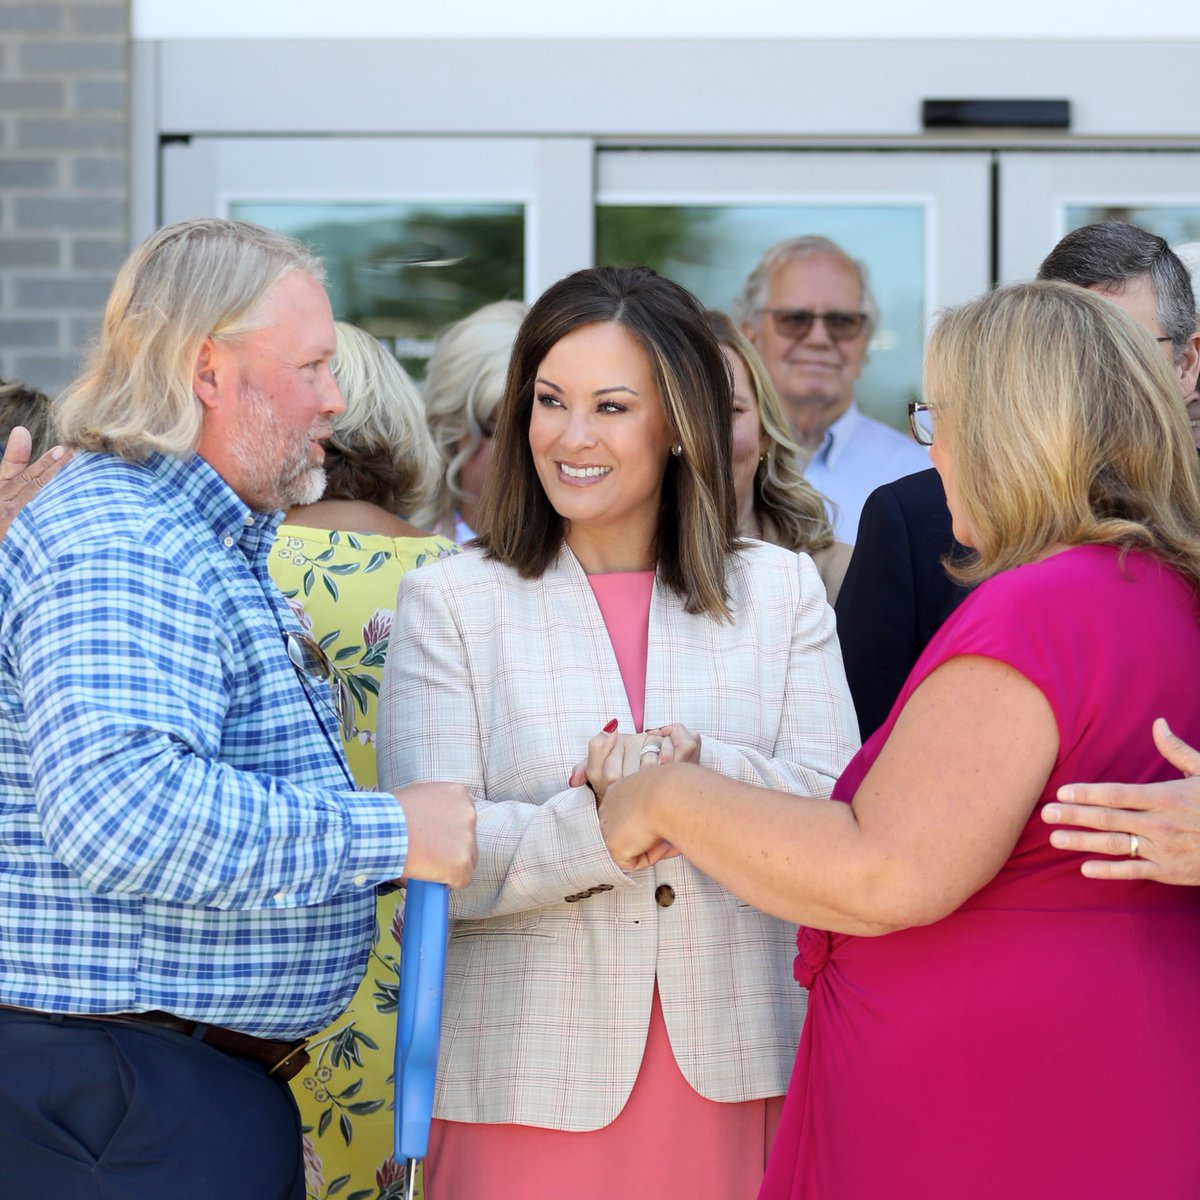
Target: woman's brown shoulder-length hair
point(697, 524)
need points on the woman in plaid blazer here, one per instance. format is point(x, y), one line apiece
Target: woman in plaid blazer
point(597, 1020)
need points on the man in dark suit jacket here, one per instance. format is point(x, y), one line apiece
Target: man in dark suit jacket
point(896, 593)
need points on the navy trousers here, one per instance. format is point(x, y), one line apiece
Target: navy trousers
point(92, 1110)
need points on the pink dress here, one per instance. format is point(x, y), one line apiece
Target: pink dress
point(1042, 1040)
point(668, 1140)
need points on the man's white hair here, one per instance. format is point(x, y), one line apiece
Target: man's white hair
point(749, 301)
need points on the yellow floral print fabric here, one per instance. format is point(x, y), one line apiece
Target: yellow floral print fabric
point(342, 587)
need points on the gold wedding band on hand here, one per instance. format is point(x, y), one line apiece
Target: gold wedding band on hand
point(1133, 845)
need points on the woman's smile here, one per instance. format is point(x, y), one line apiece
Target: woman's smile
point(578, 474)
point(601, 442)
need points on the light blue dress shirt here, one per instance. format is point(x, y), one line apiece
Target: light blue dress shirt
point(855, 457)
point(178, 829)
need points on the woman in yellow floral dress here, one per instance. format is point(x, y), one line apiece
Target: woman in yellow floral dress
point(339, 562)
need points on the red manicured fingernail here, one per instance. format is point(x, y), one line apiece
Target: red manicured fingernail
point(611, 727)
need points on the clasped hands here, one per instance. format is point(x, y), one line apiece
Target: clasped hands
point(613, 757)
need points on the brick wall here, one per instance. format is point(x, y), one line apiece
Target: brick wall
point(64, 179)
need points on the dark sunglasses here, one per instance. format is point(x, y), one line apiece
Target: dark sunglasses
point(309, 658)
point(798, 322)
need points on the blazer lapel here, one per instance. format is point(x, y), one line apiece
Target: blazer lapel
point(664, 663)
point(580, 649)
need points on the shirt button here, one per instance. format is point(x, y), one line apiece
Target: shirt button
point(664, 895)
point(281, 896)
point(360, 880)
point(250, 520)
point(227, 540)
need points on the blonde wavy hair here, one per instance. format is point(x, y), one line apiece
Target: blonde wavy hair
point(792, 512)
point(1063, 426)
point(192, 280)
point(463, 385)
point(380, 450)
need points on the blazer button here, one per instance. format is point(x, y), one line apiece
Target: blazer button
point(665, 895)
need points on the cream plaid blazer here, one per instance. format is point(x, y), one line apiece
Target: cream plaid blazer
point(497, 682)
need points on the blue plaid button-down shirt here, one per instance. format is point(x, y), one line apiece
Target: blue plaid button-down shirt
point(178, 829)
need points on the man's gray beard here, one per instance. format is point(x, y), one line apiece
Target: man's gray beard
point(308, 489)
point(271, 492)
point(272, 484)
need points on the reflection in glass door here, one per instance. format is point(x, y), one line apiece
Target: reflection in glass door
point(1173, 222)
point(415, 232)
point(404, 271)
point(918, 221)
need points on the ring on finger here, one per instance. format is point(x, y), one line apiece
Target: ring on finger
point(1133, 845)
point(650, 748)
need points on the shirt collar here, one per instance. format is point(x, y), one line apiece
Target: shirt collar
point(216, 503)
point(838, 436)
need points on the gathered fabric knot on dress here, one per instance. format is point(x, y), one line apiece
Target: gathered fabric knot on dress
point(814, 946)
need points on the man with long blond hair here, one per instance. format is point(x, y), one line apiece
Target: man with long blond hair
point(188, 874)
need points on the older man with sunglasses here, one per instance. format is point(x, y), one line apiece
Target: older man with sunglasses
point(810, 314)
point(187, 871)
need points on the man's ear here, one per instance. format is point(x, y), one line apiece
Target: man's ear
point(1189, 366)
point(206, 374)
point(751, 332)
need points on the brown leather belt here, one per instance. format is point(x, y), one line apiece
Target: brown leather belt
point(284, 1059)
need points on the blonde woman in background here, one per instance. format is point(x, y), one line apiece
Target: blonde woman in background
point(463, 386)
point(775, 502)
point(339, 562)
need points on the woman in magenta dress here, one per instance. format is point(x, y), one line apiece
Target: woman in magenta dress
point(984, 1021)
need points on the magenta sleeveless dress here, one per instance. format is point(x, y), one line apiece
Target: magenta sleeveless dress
point(1042, 1041)
point(668, 1140)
